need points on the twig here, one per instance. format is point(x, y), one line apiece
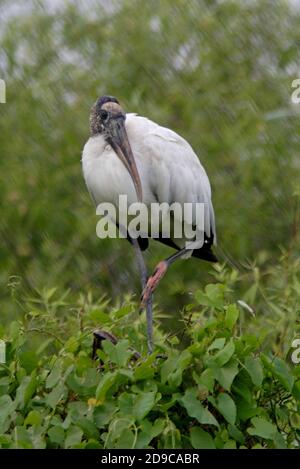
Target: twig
point(41, 331)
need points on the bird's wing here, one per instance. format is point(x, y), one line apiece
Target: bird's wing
point(174, 171)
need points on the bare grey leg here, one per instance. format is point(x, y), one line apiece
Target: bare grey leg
point(148, 303)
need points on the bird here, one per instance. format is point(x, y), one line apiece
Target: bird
point(127, 154)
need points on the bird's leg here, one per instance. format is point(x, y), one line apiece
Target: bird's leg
point(148, 303)
point(159, 273)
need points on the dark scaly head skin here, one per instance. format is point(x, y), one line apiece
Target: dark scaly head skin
point(107, 118)
point(97, 114)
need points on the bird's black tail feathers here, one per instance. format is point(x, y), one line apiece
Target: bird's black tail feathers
point(205, 253)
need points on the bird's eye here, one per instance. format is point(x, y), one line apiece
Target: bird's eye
point(103, 115)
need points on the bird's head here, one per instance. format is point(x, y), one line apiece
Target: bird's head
point(108, 119)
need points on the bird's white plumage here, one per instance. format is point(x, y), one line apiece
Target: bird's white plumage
point(169, 169)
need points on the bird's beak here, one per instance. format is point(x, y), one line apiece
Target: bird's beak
point(119, 141)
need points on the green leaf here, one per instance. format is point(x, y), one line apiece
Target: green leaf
point(165, 406)
point(145, 435)
point(75, 384)
point(243, 386)
point(26, 390)
point(88, 427)
point(175, 378)
point(4, 385)
point(283, 373)
point(226, 374)
point(119, 433)
point(263, 428)
point(245, 409)
point(33, 418)
point(168, 366)
point(231, 316)
point(125, 402)
point(296, 390)
point(92, 444)
point(54, 375)
point(255, 370)
point(279, 441)
point(280, 370)
point(201, 439)
point(126, 440)
point(174, 366)
point(57, 435)
point(41, 349)
point(145, 370)
point(143, 404)
point(217, 344)
point(7, 406)
point(206, 379)
point(57, 394)
point(123, 311)
point(235, 433)
point(104, 413)
point(230, 444)
point(28, 360)
point(224, 355)
point(73, 436)
point(157, 427)
point(5, 441)
point(22, 438)
point(72, 345)
point(226, 407)
point(118, 353)
point(213, 296)
point(106, 382)
point(195, 409)
point(100, 316)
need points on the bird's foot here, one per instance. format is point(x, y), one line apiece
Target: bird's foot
point(153, 281)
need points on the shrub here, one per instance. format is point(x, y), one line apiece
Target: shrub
point(211, 385)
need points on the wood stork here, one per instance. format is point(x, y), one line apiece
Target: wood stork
point(129, 154)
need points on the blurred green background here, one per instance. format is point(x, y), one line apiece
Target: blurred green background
point(218, 72)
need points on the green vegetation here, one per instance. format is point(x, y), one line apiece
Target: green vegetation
point(220, 74)
point(224, 390)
